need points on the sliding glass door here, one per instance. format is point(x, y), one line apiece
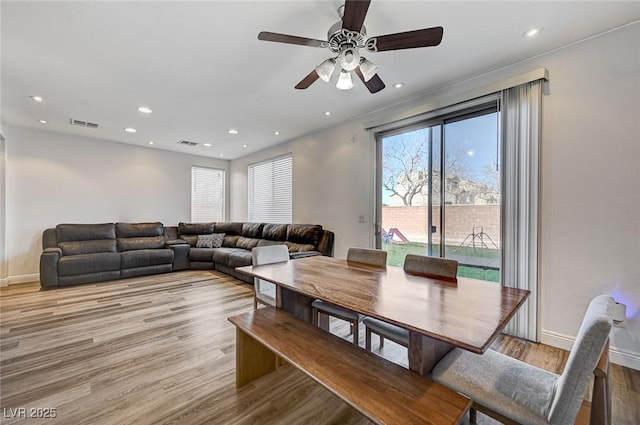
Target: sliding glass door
point(439, 191)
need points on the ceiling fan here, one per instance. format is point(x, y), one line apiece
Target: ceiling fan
point(346, 37)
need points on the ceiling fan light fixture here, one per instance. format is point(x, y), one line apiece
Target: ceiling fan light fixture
point(349, 59)
point(344, 82)
point(368, 69)
point(325, 69)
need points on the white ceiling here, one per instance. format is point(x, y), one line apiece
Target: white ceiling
point(201, 68)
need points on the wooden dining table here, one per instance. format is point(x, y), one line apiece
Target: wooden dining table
point(440, 315)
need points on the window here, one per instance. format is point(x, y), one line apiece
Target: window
point(271, 190)
point(207, 194)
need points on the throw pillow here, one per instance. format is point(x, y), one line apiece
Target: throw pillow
point(205, 241)
point(217, 239)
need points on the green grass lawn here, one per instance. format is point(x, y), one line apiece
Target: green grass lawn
point(397, 251)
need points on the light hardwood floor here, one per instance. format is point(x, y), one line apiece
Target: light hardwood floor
point(159, 349)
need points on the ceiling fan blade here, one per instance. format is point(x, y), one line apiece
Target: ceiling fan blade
point(308, 80)
point(291, 39)
point(374, 85)
point(354, 13)
point(406, 40)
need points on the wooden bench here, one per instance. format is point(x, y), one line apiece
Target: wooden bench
point(382, 391)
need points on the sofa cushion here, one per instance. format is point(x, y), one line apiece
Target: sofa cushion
point(240, 258)
point(247, 243)
point(192, 240)
point(252, 230)
point(146, 257)
point(221, 255)
point(195, 228)
point(88, 263)
point(229, 228)
point(85, 232)
point(87, 247)
point(135, 230)
point(298, 247)
point(230, 241)
point(275, 232)
point(131, 244)
point(267, 242)
point(304, 233)
point(201, 254)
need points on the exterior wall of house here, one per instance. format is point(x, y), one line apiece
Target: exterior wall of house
point(589, 199)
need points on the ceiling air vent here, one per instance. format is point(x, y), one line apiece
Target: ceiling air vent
point(187, 143)
point(83, 123)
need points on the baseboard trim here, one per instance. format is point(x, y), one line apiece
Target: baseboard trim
point(24, 278)
point(4, 282)
point(617, 355)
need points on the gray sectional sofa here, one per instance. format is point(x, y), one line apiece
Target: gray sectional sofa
point(86, 253)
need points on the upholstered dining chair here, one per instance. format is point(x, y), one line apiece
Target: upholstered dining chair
point(265, 292)
point(434, 267)
point(372, 257)
point(515, 392)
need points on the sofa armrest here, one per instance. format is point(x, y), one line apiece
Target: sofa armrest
point(49, 267)
point(325, 244)
point(180, 255)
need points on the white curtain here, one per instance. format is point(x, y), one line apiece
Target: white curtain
point(521, 108)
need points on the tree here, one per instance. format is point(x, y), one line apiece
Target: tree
point(406, 164)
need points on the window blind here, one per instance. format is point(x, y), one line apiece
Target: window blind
point(207, 194)
point(271, 190)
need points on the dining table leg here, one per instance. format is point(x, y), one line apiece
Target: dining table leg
point(294, 303)
point(425, 352)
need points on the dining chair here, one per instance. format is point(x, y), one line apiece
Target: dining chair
point(433, 267)
point(512, 391)
point(372, 257)
point(264, 291)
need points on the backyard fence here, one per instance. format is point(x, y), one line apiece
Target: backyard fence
point(460, 222)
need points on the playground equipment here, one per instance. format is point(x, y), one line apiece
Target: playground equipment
point(394, 231)
point(477, 239)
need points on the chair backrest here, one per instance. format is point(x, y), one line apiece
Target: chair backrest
point(434, 267)
point(373, 257)
point(267, 255)
point(574, 381)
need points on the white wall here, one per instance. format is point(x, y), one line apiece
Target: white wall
point(4, 273)
point(54, 178)
point(332, 183)
point(590, 202)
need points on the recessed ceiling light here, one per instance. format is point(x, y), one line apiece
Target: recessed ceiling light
point(532, 32)
point(42, 121)
point(130, 130)
point(36, 98)
point(398, 85)
point(277, 133)
point(145, 110)
point(327, 113)
point(207, 144)
point(151, 143)
point(221, 154)
point(244, 146)
point(232, 131)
